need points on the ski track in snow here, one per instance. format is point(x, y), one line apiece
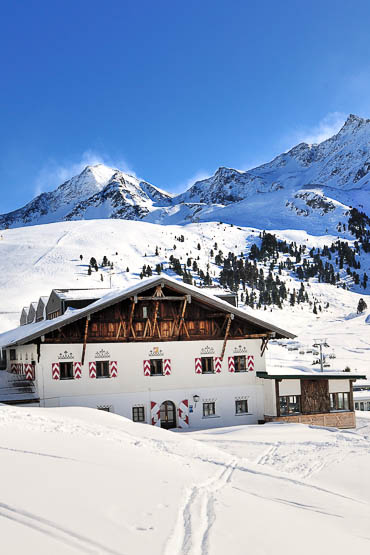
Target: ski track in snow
point(197, 515)
point(48, 251)
point(55, 531)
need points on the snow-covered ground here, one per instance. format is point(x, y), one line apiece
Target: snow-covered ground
point(86, 481)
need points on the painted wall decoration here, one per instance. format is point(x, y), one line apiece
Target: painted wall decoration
point(156, 352)
point(240, 350)
point(55, 371)
point(183, 412)
point(102, 354)
point(92, 369)
point(66, 356)
point(207, 350)
point(113, 368)
point(155, 412)
point(77, 370)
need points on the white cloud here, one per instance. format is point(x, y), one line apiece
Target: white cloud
point(53, 173)
point(326, 128)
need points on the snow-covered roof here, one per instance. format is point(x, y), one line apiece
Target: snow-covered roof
point(81, 294)
point(309, 373)
point(361, 395)
point(25, 334)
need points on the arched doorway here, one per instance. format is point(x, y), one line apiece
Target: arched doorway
point(168, 415)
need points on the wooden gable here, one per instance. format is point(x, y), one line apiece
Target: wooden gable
point(160, 314)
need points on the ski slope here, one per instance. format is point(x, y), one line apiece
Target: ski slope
point(84, 481)
point(39, 258)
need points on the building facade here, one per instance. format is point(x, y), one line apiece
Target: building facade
point(169, 355)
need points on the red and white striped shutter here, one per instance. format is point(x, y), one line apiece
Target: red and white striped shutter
point(231, 364)
point(167, 367)
point(28, 371)
point(77, 370)
point(55, 371)
point(184, 414)
point(13, 368)
point(146, 366)
point(218, 364)
point(250, 363)
point(92, 369)
point(155, 413)
point(113, 368)
point(198, 365)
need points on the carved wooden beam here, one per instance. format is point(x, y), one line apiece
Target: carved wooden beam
point(230, 318)
point(264, 344)
point(182, 317)
point(160, 298)
point(85, 339)
point(130, 319)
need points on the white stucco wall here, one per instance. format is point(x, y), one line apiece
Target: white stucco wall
point(269, 397)
point(131, 387)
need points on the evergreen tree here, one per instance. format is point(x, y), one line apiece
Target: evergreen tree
point(361, 306)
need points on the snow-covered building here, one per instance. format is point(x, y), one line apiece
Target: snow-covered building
point(24, 316)
point(31, 316)
point(61, 299)
point(169, 354)
point(41, 309)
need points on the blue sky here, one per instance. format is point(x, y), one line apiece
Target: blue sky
point(171, 89)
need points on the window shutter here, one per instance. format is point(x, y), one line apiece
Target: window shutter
point(155, 413)
point(13, 368)
point(198, 365)
point(184, 414)
point(167, 367)
point(146, 365)
point(55, 370)
point(250, 363)
point(28, 370)
point(113, 368)
point(218, 364)
point(77, 370)
point(92, 369)
point(231, 364)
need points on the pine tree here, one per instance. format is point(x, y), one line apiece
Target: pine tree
point(361, 306)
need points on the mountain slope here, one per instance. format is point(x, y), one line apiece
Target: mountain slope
point(310, 187)
point(97, 192)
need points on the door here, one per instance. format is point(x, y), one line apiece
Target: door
point(168, 415)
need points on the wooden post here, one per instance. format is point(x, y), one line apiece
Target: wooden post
point(277, 395)
point(264, 345)
point(230, 317)
point(85, 339)
point(350, 395)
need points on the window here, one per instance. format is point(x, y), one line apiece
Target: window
point(290, 404)
point(339, 401)
point(207, 365)
point(241, 406)
point(66, 371)
point(156, 367)
point(209, 409)
point(138, 414)
point(106, 408)
point(240, 363)
point(102, 368)
point(13, 354)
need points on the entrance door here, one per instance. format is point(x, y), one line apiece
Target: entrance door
point(168, 415)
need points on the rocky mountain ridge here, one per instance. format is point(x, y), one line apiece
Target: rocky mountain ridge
point(309, 187)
